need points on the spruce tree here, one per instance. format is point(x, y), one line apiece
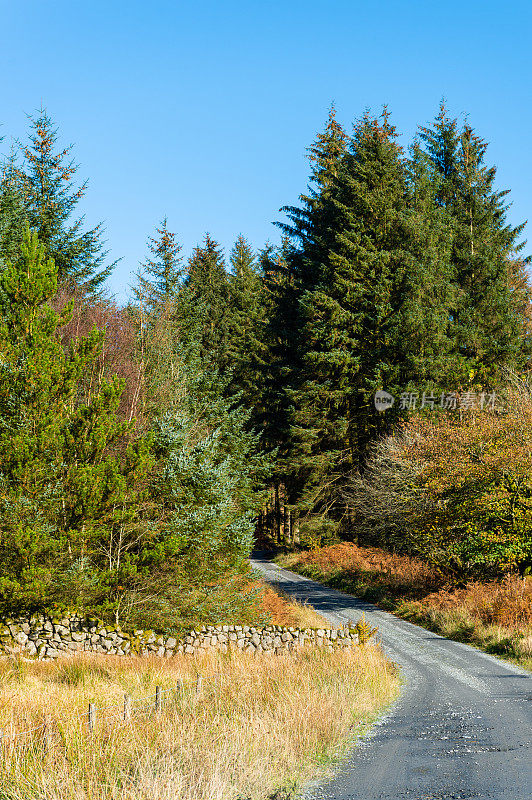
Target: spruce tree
point(12, 213)
point(160, 276)
point(427, 348)
point(288, 272)
point(310, 227)
point(486, 324)
point(50, 198)
point(349, 322)
point(207, 289)
point(247, 346)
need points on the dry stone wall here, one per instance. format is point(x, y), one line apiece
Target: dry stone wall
point(43, 638)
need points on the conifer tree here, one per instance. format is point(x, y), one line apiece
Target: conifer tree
point(427, 348)
point(309, 226)
point(50, 199)
point(288, 272)
point(349, 334)
point(247, 323)
point(160, 276)
point(207, 289)
point(68, 503)
point(486, 324)
point(12, 214)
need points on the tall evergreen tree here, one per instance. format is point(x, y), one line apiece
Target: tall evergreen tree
point(288, 272)
point(69, 503)
point(426, 350)
point(309, 227)
point(50, 199)
point(486, 323)
point(160, 276)
point(247, 323)
point(12, 213)
point(349, 334)
point(207, 289)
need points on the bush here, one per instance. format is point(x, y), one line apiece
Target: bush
point(454, 488)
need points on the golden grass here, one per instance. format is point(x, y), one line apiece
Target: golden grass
point(495, 615)
point(268, 723)
point(283, 610)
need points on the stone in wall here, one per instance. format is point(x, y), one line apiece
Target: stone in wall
point(45, 638)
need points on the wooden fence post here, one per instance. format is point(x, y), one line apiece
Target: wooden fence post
point(47, 732)
point(157, 699)
point(199, 684)
point(127, 708)
point(178, 688)
point(92, 717)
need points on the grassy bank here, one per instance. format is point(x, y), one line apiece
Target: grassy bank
point(495, 616)
point(266, 725)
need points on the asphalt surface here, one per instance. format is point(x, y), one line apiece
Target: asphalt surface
point(461, 730)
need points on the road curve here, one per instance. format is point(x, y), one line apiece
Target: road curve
point(461, 730)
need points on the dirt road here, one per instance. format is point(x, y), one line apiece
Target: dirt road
point(461, 730)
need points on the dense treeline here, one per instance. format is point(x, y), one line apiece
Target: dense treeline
point(143, 447)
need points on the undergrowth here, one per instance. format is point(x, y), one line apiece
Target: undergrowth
point(495, 616)
point(259, 728)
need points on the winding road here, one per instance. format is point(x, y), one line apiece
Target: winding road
point(461, 729)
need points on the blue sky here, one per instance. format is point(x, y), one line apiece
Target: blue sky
point(202, 110)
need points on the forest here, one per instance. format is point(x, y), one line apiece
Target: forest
point(146, 447)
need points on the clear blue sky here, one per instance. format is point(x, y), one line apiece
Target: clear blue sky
point(202, 110)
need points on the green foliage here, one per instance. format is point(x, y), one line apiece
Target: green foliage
point(207, 283)
point(396, 271)
point(401, 273)
point(348, 334)
point(160, 276)
point(247, 339)
point(66, 500)
point(454, 489)
point(483, 318)
point(44, 182)
point(207, 487)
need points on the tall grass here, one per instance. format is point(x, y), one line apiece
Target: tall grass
point(267, 723)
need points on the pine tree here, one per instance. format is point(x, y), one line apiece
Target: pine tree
point(68, 503)
point(309, 226)
point(288, 272)
point(50, 199)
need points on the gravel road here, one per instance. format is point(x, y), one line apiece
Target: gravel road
point(461, 730)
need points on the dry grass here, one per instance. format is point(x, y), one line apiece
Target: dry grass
point(495, 615)
point(283, 610)
point(268, 724)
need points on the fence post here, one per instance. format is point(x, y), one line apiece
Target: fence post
point(92, 717)
point(199, 684)
point(47, 732)
point(157, 699)
point(1, 742)
point(127, 708)
point(178, 688)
